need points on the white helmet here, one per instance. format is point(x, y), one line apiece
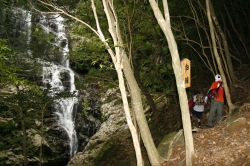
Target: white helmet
point(218, 77)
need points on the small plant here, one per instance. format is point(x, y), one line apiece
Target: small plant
point(104, 118)
point(85, 105)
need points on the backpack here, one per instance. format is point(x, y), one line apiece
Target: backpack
point(191, 103)
point(200, 99)
point(213, 93)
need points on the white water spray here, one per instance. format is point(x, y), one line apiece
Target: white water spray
point(57, 75)
point(54, 75)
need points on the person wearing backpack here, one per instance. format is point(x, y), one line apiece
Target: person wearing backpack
point(217, 101)
point(198, 108)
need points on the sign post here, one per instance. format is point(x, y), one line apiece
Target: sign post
point(186, 71)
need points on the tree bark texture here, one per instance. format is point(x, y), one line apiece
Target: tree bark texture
point(123, 63)
point(166, 28)
point(231, 73)
point(147, 139)
point(118, 62)
point(211, 27)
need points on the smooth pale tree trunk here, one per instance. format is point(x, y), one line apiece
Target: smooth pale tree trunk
point(166, 28)
point(118, 62)
point(147, 139)
point(132, 128)
point(135, 91)
point(217, 57)
point(122, 64)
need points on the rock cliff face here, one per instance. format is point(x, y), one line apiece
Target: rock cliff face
point(58, 141)
point(55, 144)
point(112, 143)
point(88, 116)
point(114, 122)
point(87, 123)
point(52, 72)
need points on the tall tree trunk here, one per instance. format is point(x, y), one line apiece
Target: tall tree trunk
point(24, 145)
point(237, 33)
point(166, 28)
point(211, 27)
point(147, 139)
point(25, 160)
point(128, 116)
point(117, 58)
point(144, 90)
point(225, 45)
point(123, 63)
point(43, 108)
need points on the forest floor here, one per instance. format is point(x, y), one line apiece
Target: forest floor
point(218, 146)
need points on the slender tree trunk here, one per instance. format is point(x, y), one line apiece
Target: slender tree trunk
point(121, 62)
point(128, 116)
point(25, 160)
point(117, 58)
point(42, 135)
point(147, 139)
point(211, 27)
point(121, 58)
point(166, 28)
point(225, 45)
point(24, 146)
point(144, 90)
point(222, 55)
point(237, 33)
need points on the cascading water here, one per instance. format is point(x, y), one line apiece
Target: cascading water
point(61, 78)
point(57, 75)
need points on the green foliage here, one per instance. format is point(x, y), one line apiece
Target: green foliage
point(90, 57)
point(103, 152)
point(104, 118)
point(89, 54)
point(85, 105)
point(9, 132)
point(235, 111)
point(106, 78)
point(2, 145)
point(7, 127)
point(7, 70)
point(41, 40)
point(32, 150)
point(118, 102)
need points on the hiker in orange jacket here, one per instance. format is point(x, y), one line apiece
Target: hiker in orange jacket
point(217, 102)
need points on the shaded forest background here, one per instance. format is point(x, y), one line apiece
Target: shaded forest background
point(143, 40)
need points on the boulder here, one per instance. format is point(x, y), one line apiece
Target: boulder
point(236, 124)
point(170, 140)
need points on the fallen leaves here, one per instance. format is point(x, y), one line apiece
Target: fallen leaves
point(217, 146)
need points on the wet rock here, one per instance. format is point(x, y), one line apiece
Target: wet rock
point(114, 122)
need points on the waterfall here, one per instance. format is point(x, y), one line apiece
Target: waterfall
point(57, 75)
point(61, 78)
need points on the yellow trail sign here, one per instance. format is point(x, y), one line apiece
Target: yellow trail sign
point(186, 71)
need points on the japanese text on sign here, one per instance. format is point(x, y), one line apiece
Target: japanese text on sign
point(186, 72)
